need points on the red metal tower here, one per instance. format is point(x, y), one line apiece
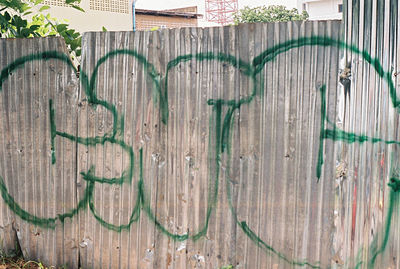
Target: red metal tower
point(221, 11)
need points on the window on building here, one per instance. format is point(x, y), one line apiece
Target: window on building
point(60, 3)
point(340, 8)
point(119, 6)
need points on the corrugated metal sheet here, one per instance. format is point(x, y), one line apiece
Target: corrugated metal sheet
point(202, 148)
point(222, 157)
point(34, 188)
point(367, 208)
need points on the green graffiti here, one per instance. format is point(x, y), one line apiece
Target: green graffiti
point(394, 184)
point(393, 199)
point(336, 134)
point(374, 250)
point(221, 126)
point(9, 200)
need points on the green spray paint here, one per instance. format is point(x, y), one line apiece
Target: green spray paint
point(112, 138)
point(393, 199)
point(221, 126)
point(337, 134)
point(374, 250)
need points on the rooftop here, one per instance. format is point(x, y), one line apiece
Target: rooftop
point(189, 12)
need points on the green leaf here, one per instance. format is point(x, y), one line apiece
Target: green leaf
point(17, 5)
point(7, 16)
point(76, 35)
point(37, 23)
point(78, 8)
point(43, 8)
point(61, 27)
point(74, 46)
point(19, 22)
point(104, 29)
point(34, 27)
point(68, 38)
point(25, 8)
point(15, 34)
point(26, 32)
point(72, 1)
point(3, 20)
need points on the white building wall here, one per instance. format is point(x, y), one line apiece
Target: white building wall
point(93, 20)
point(321, 9)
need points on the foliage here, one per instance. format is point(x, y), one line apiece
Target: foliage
point(16, 21)
point(268, 14)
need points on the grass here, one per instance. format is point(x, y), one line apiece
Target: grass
point(19, 263)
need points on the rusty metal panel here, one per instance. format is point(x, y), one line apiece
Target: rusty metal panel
point(38, 173)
